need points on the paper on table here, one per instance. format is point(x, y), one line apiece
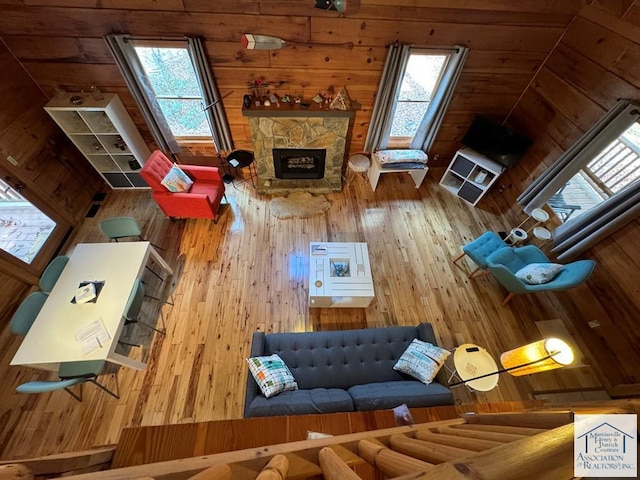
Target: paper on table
point(92, 336)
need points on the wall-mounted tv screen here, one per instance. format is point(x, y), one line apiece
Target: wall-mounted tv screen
point(495, 141)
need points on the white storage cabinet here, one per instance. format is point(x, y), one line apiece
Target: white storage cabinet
point(470, 175)
point(105, 134)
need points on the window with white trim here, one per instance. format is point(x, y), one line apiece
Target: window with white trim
point(172, 76)
point(421, 78)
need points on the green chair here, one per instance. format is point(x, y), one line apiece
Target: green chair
point(87, 371)
point(133, 308)
point(117, 228)
point(27, 312)
point(51, 386)
point(52, 273)
point(71, 374)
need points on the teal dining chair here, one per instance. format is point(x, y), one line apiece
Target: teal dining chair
point(27, 312)
point(506, 262)
point(52, 273)
point(117, 228)
point(133, 308)
point(71, 374)
point(51, 386)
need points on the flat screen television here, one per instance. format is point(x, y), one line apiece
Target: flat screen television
point(496, 141)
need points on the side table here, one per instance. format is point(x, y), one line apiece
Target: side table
point(471, 361)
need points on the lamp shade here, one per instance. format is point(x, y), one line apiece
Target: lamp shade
point(547, 354)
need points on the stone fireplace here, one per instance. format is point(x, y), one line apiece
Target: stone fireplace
point(298, 149)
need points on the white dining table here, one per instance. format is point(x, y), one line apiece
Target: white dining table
point(51, 339)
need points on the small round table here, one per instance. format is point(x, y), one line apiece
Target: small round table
point(517, 235)
point(471, 361)
point(239, 159)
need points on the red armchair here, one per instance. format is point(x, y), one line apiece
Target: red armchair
point(201, 201)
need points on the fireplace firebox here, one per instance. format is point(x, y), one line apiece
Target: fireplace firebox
point(299, 163)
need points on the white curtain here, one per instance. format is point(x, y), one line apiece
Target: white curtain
point(583, 232)
point(127, 60)
point(432, 120)
point(576, 157)
point(213, 105)
point(388, 90)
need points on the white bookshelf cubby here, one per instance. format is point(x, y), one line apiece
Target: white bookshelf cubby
point(105, 134)
point(470, 175)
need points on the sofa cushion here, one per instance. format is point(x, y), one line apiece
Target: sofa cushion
point(301, 402)
point(379, 396)
point(341, 359)
point(271, 374)
point(422, 360)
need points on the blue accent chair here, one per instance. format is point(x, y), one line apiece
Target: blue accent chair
point(478, 251)
point(504, 263)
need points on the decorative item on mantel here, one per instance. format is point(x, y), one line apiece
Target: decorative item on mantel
point(341, 101)
point(258, 87)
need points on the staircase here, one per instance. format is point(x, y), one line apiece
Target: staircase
point(509, 445)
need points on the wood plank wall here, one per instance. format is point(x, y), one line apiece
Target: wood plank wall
point(595, 63)
point(53, 174)
point(61, 46)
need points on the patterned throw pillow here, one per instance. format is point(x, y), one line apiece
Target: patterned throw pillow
point(539, 273)
point(272, 375)
point(422, 361)
point(176, 180)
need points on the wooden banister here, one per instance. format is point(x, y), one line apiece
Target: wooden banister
point(333, 468)
point(442, 450)
point(474, 444)
point(389, 462)
point(276, 469)
point(522, 431)
point(546, 455)
point(217, 472)
point(427, 451)
point(539, 420)
point(477, 434)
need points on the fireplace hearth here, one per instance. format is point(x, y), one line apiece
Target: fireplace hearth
point(299, 163)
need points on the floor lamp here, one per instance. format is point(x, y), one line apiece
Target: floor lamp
point(540, 356)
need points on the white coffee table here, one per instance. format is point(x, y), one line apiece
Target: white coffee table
point(339, 275)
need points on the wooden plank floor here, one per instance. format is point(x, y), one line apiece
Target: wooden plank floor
point(249, 272)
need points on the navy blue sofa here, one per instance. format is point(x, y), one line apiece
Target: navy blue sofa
point(342, 371)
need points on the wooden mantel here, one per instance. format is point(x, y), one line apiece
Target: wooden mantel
point(295, 110)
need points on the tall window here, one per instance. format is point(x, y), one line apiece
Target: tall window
point(23, 227)
point(419, 82)
point(172, 84)
point(607, 172)
point(175, 85)
point(415, 89)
